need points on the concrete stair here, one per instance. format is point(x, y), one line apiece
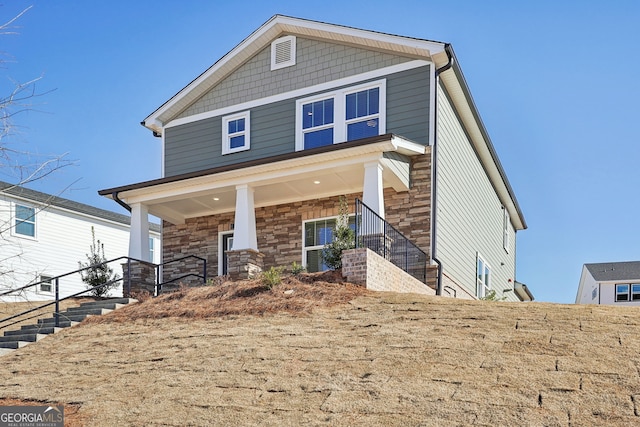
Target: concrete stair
point(15, 339)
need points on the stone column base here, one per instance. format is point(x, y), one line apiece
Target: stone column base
point(138, 277)
point(244, 264)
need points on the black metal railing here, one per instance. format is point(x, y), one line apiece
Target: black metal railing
point(376, 234)
point(154, 283)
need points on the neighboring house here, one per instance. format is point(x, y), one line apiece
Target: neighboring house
point(258, 149)
point(610, 283)
point(44, 236)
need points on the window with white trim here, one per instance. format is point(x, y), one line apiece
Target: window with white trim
point(345, 115)
point(283, 52)
point(627, 292)
point(318, 233)
point(24, 221)
point(235, 132)
point(506, 236)
point(46, 285)
point(483, 277)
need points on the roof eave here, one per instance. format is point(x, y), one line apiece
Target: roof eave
point(261, 38)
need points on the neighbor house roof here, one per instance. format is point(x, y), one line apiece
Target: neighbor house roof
point(24, 193)
point(614, 271)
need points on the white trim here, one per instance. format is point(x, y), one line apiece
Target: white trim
point(226, 138)
point(291, 40)
point(162, 136)
point(486, 287)
point(221, 249)
point(432, 104)
point(328, 86)
point(339, 111)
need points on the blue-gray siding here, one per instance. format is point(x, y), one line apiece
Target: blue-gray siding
point(198, 145)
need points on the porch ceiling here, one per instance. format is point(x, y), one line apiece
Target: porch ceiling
point(315, 176)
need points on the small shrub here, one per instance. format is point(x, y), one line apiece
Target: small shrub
point(96, 272)
point(343, 239)
point(296, 268)
point(271, 277)
point(492, 296)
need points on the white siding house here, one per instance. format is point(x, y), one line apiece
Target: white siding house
point(610, 283)
point(44, 236)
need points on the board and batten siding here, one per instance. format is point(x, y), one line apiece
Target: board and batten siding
point(63, 238)
point(470, 215)
point(197, 146)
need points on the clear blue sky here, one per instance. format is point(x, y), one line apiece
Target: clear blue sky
point(556, 83)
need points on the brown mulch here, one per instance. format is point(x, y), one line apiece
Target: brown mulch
point(295, 295)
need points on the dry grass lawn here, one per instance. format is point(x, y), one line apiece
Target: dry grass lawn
point(315, 353)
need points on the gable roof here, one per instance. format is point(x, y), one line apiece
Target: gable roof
point(440, 53)
point(24, 193)
point(613, 271)
point(272, 29)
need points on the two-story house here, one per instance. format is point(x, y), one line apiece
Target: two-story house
point(610, 283)
point(44, 236)
point(259, 148)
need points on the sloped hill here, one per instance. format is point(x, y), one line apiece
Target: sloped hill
point(327, 354)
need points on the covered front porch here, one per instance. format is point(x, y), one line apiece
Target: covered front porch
point(232, 194)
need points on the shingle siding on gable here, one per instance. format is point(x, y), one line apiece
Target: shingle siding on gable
point(197, 146)
point(470, 215)
point(317, 62)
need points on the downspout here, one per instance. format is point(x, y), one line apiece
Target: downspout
point(120, 201)
point(434, 171)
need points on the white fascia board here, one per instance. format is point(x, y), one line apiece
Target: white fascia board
point(260, 38)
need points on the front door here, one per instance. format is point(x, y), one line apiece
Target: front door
point(227, 245)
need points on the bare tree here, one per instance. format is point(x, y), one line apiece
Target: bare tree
point(18, 166)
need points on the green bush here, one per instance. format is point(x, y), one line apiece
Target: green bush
point(271, 277)
point(296, 268)
point(96, 271)
point(343, 239)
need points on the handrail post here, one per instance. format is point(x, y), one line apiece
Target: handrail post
point(57, 313)
point(204, 272)
point(128, 277)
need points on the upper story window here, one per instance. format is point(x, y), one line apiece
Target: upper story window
point(235, 132)
point(317, 123)
point(483, 277)
point(25, 221)
point(283, 52)
point(506, 236)
point(343, 115)
point(627, 292)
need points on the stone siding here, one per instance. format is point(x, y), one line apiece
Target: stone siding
point(279, 228)
point(364, 267)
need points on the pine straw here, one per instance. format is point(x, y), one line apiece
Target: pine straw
point(295, 295)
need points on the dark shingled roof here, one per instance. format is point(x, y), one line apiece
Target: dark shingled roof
point(44, 198)
point(609, 271)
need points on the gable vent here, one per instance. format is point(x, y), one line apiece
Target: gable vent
point(283, 52)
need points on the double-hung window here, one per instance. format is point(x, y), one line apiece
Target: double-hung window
point(483, 277)
point(627, 292)
point(317, 123)
point(316, 235)
point(363, 113)
point(235, 132)
point(25, 221)
point(343, 115)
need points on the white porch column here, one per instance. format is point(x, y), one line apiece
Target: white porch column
point(139, 232)
point(372, 194)
point(244, 229)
